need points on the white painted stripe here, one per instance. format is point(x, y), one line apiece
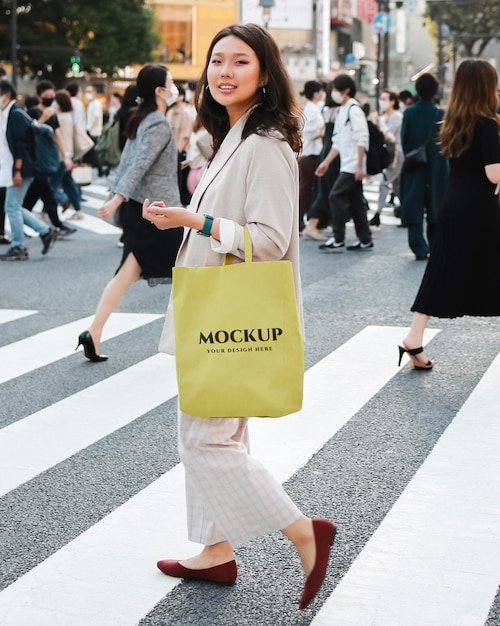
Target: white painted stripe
point(40, 441)
point(9, 315)
point(93, 224)
point(369, 358)
point(95, 190)
point(89, 222)
point(435, 559)
point(116, 557)
point(93, 203)
point(51, 345)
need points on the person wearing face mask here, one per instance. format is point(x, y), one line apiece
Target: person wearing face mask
point(180, 119)
point(318, 213)
point(148, 168)
point(16, 174)
point(390, 122)
point(48, 188)
point(312, 137)
point(351, 140)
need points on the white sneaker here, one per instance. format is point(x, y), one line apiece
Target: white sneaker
point(332, 245)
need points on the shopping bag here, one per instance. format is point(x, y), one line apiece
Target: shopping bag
point(238, 336)
point(82, 174)
point(82, 143)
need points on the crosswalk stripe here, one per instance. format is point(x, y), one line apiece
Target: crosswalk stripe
point(9, 315)
point(435, 558)
point(107, 575)
point(326, 413)
point(89, 222)
point(54, 344)
point(43, 439)
point(95, 225)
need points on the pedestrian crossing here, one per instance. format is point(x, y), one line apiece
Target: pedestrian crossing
point(434, 560)
point(371, 193)
point(49, 346)
point(96, 194)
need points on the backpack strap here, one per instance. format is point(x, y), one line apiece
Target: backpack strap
point(354, 104)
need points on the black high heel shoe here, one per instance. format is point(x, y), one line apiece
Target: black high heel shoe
point(418, 365)
point(85, 340)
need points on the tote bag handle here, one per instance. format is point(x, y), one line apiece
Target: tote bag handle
point(228, 260)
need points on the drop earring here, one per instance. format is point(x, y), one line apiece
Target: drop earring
point(263, 91)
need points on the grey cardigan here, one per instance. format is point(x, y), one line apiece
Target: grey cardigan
point(148, 166)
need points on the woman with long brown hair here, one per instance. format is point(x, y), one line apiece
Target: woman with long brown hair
point(463, 272)
point(245, 101)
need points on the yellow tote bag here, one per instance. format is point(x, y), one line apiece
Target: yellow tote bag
point(239, 344)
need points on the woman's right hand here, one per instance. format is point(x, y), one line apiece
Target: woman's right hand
point(164, 217)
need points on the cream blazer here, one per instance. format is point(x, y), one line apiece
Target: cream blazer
point(254, 183)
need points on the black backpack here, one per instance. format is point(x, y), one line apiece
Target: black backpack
point(47, 159)
point(42, 146)
point(378, 156)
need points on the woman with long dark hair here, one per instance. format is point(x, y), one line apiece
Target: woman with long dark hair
point(245, 101)
point(463, 272)
point(148, 167)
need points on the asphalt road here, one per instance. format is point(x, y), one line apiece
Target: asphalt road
point(89, 460)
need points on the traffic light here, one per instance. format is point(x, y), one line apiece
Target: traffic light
point(75, 65)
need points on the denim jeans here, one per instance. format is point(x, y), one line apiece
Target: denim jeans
point(64, 179)
point(18, 215)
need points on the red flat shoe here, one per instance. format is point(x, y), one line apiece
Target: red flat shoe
point(224, 574)
point(324, 534)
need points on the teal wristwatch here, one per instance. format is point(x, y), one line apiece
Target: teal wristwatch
point(207, 226)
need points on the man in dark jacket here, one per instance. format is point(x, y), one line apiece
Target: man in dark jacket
point(16, 174)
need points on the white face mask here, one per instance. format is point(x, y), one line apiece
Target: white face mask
point(402, 107)
point(89, 96)
point(3, 104)
point(337, 97)
point(383, 105)
point(174, 94)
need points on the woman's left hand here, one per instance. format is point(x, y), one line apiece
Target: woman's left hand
point(164, 217)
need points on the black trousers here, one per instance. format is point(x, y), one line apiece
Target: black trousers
point(40, 189)
point(346, 200)
point(307, 167)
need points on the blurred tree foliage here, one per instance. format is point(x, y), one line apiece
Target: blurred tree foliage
point(105, 34)
point(469, 24)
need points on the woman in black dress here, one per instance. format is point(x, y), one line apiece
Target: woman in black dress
point(463, 272)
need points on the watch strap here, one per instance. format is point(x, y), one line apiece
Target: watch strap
point(207, 226)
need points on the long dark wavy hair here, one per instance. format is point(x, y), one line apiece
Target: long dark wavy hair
point(148, 79)
point(474, 95)
point(278, 110)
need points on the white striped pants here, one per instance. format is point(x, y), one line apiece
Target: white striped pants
point(230, 496)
